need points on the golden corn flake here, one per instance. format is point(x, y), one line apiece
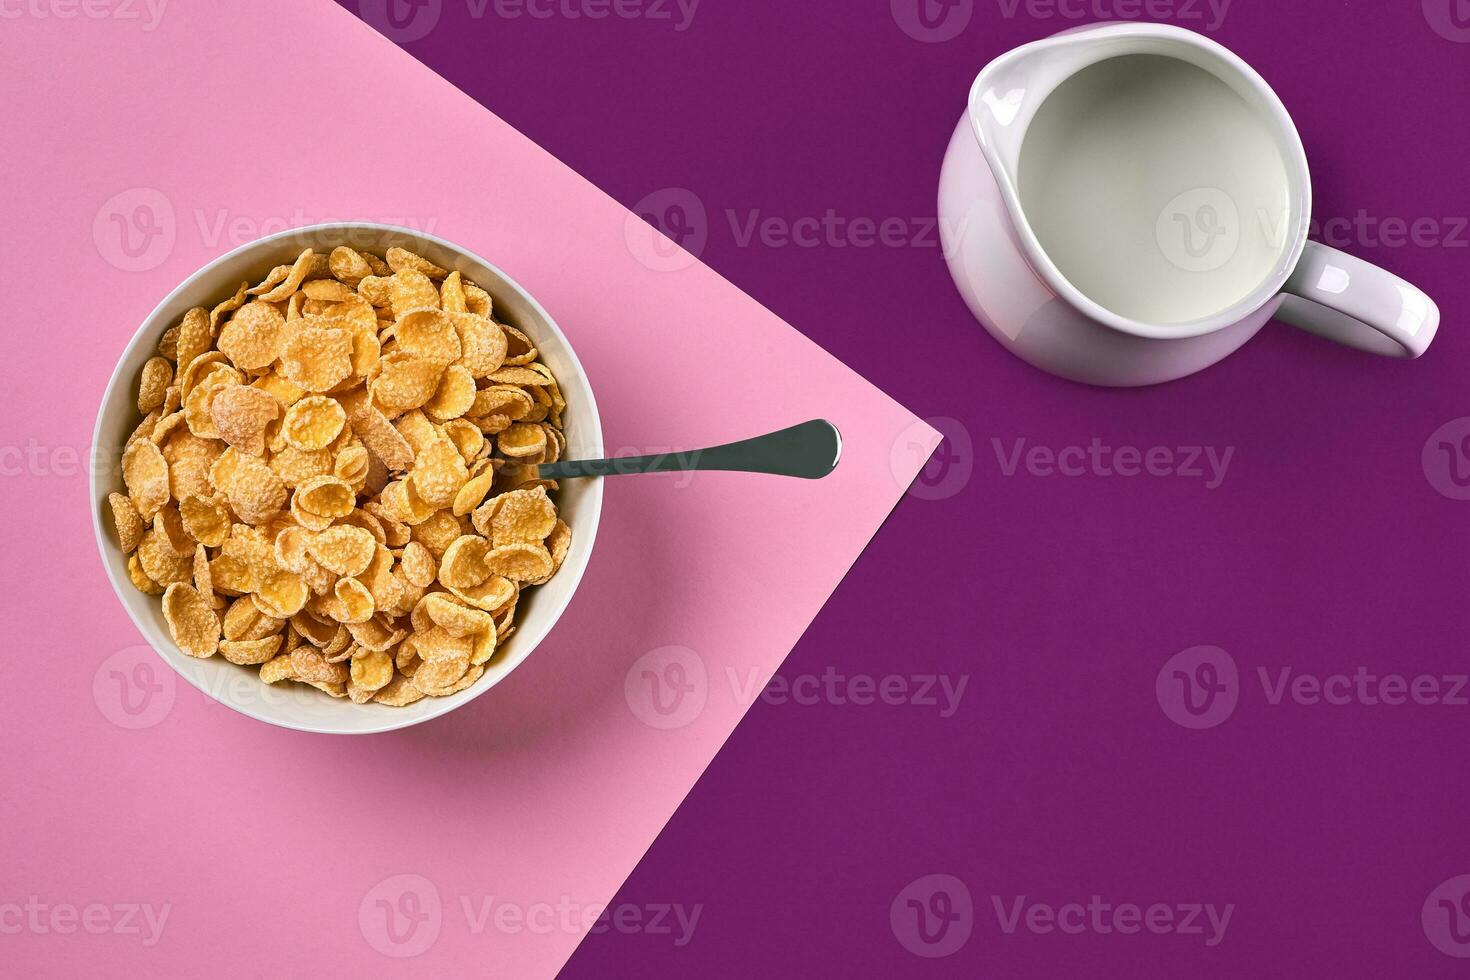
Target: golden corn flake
point(126, 521)
point(400, 259)
point(382, 440)
point(229, 306)
point(355, 602)
point(203, 577)
point(455, 618)
point(419, 566)
point(195, 336)
point(559, 542)
point(157, 375)
point(244, 621)
point(297, 274)
point(327, 291)
point(522, 516)
point(273, 279)
point(438, 473)
point(312, 666)
point(241, 415)
point(490, 595)
point(467, 438)
point(519, 562)
point(351, 465)
point(428, 333)
point(398, 693)
point(317, 355)
point(438, 531)
point(348, 265)
point(483, 343)
point(254, 336)
point(321, 500)
point(300, 488)
point(469, 496)
point(191, 620)
point(281, 595)
point(463, 564)
point(410, 290)
point(254, 490)
point(454, 396)
point(145, 473)
point(376, 288)
point(451, 293)
point(521, 350)
point(313, 422)
point(140, 578)
point(250, 652)
point(199, 402)
point(522, 440)
point(372, 669)
point(277, 669)
point(405, 381)
point(344, 550)
point(295, 466)
point(418, 430)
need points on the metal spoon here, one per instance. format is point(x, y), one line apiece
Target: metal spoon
point(809, 450)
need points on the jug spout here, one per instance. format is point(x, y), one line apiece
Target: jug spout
point(1007, 93)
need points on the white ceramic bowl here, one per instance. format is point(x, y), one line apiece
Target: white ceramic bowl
point(295, 705)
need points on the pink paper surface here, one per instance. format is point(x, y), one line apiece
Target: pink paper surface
point(205, 842)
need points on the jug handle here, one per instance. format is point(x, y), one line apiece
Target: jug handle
point(1358, 304)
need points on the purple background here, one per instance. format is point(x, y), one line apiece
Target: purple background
point(1060, 777)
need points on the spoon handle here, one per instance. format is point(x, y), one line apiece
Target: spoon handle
point(809, 450)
